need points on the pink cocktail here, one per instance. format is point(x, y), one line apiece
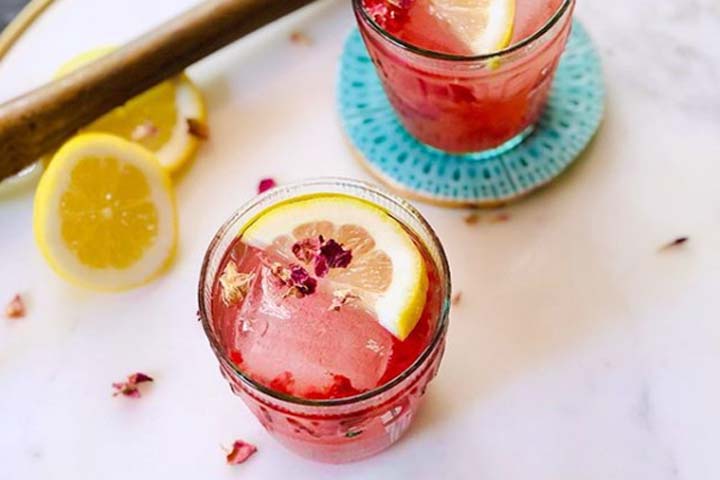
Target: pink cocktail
point(297, 321)
point(447, 96)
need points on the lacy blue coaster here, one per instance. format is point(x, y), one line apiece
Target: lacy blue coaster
point(571, 118)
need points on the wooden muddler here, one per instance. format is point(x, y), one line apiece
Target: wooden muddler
point(40, 121)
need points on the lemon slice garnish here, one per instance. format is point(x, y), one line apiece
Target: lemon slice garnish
point(156, 119)
point(104, 214)
point(387, 269)
point(484, 26)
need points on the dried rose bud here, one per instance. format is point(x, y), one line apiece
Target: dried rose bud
point(240, 452)
point(266, 184)
point(197, 128)
point(144, 130)
point(130, 388)
point(234, 284)
point(16, 308)
point(299, 38)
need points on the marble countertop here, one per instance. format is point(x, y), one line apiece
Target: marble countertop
point(579, 349)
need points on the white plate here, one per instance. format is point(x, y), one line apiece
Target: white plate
point(578, 351)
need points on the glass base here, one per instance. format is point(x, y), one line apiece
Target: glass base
point(493, 152)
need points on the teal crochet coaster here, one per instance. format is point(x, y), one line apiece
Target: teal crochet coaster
point(571, 118)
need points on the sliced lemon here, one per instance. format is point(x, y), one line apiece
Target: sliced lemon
point(104, 213)
point(387, 269)
point(484, 26)
point(157, 119)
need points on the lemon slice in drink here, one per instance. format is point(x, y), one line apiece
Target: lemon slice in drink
point(104, 214)
point(157, 119)
point(484, 26)
point(387, 271)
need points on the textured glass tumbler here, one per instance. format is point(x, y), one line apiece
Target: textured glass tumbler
point(468, 104)
point(345, 429)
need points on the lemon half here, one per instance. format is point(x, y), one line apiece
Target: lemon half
point(104, 213)
point(387, 268)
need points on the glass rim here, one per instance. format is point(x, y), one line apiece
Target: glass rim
point(512, 48)
point(204, 311)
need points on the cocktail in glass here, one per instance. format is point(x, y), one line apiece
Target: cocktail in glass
point(447, 96)
point(295, 321)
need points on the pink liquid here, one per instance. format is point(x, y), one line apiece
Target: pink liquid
point(463, 106)
point(301, 346)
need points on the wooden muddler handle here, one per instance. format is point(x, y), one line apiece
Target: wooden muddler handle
point(40, 121)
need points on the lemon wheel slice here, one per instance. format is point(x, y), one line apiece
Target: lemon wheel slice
point(484, 26)
point(387, 269)
point(156, 119)
point(104, 214)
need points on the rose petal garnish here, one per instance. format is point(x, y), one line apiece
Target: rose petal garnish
point(234, 284)
point(300, 38)
point(144, 130)
point(342, 297)
point(129, 388)
point(240, 452)
point(675, 243)
point(302, 280)
point(306, 250)
point(16, 307)
point(335, 255)
point(295, 277)
point(266, 184)
point(197, 129)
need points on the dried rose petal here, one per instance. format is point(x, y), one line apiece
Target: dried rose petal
point(501, 217)
point(472, 218)
point(342, 297)
point(300, 38)
point(197, 128)
point(321, 266)
point(302, 280)
point(266, 184)
point(234, 284)
point(240, 452)
point(335, 255)
point(16, 307)
point(130, 388)
point(456, 298)
point(675, 243)
point(306, 250)
point(144, 130)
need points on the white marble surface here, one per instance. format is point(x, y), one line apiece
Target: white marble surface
point(578, 351)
